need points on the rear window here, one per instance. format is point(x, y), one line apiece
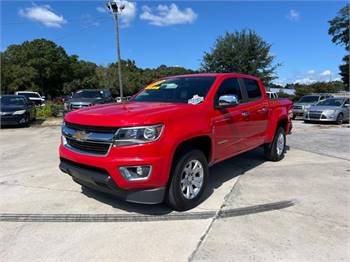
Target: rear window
point(29, 95)
point(253, 89)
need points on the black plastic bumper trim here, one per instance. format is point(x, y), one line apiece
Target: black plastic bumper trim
point(100, 180)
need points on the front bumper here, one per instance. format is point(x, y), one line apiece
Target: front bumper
point(99, 179)
point(321, 118)
point(9, 120)
point(298, 112)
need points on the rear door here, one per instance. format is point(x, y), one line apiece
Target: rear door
point(256, 113)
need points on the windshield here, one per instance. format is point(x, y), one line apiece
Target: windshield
point(29, 95)
point(331, 102)
point(88, 94)
point(12, 100)
point(308, 99)
point(177, 90)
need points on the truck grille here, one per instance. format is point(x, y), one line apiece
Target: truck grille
point(84, 139)
point(93, 129)
point(315, 114)
point(97, 148)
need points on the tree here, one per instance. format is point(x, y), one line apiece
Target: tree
point(82, 75)
point(38, 65)
point(241, 52)
point(339, 30)
point(318, 87)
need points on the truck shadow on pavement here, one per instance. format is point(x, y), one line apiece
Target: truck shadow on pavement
point(219, 174)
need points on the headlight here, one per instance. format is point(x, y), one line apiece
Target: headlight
point(329, 112)
point(19, 112)
point(137, 135)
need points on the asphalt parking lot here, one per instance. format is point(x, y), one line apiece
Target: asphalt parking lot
point(293, 210)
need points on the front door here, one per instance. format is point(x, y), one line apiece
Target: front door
point(228, 123)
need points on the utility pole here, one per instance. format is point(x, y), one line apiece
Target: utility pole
point(116, 9)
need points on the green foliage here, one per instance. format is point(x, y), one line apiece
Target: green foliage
point(40, 65)
point(319, 87)
point(282, 94)
point(49, 110)
point(241, 52)
point(339, 30)
point(134, 78)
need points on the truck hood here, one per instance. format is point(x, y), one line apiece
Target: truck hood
point(128, 114)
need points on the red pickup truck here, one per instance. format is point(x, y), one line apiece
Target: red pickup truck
point(159, 146)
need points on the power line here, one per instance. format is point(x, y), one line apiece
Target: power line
point(79, 31)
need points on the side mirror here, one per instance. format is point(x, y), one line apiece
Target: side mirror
point(43, 97)
point(227, 101)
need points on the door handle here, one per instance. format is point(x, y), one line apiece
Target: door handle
point(245, 114)
point(264, 109)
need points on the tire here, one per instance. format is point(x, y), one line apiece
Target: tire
point(307, 121)
point(27, 121)
point(340, 119)
point(275, 150)
point(179, 195)
point(294, 116)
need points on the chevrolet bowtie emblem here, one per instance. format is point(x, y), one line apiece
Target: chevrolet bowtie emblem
point(80, 135)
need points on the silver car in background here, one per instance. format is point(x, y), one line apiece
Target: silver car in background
point(305, 102)
point(334, 109)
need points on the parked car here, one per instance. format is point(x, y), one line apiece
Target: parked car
point(158, 146)
point(87, 97)
point(35, 97)
point(306, 102)
point(272, 95)
point(16, 110)
point(334, 109)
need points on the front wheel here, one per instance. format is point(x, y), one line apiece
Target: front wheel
point(340, 119)
point(275, 150)
point(188, 181)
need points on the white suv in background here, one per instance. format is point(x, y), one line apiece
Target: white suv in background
point(35, 97)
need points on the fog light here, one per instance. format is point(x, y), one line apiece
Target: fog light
point(134, 173)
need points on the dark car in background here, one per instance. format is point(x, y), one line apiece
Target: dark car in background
point(88, 97)
point(16, 110)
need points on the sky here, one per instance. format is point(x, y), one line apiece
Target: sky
point(177, 33)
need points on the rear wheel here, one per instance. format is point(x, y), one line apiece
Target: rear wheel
point(275, 150)
point(340, 119)
point(188, 181)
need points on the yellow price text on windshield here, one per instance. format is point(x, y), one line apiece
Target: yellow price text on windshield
point(155, 85)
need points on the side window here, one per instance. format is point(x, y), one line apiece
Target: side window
point(253, 89)
point(229, 86)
